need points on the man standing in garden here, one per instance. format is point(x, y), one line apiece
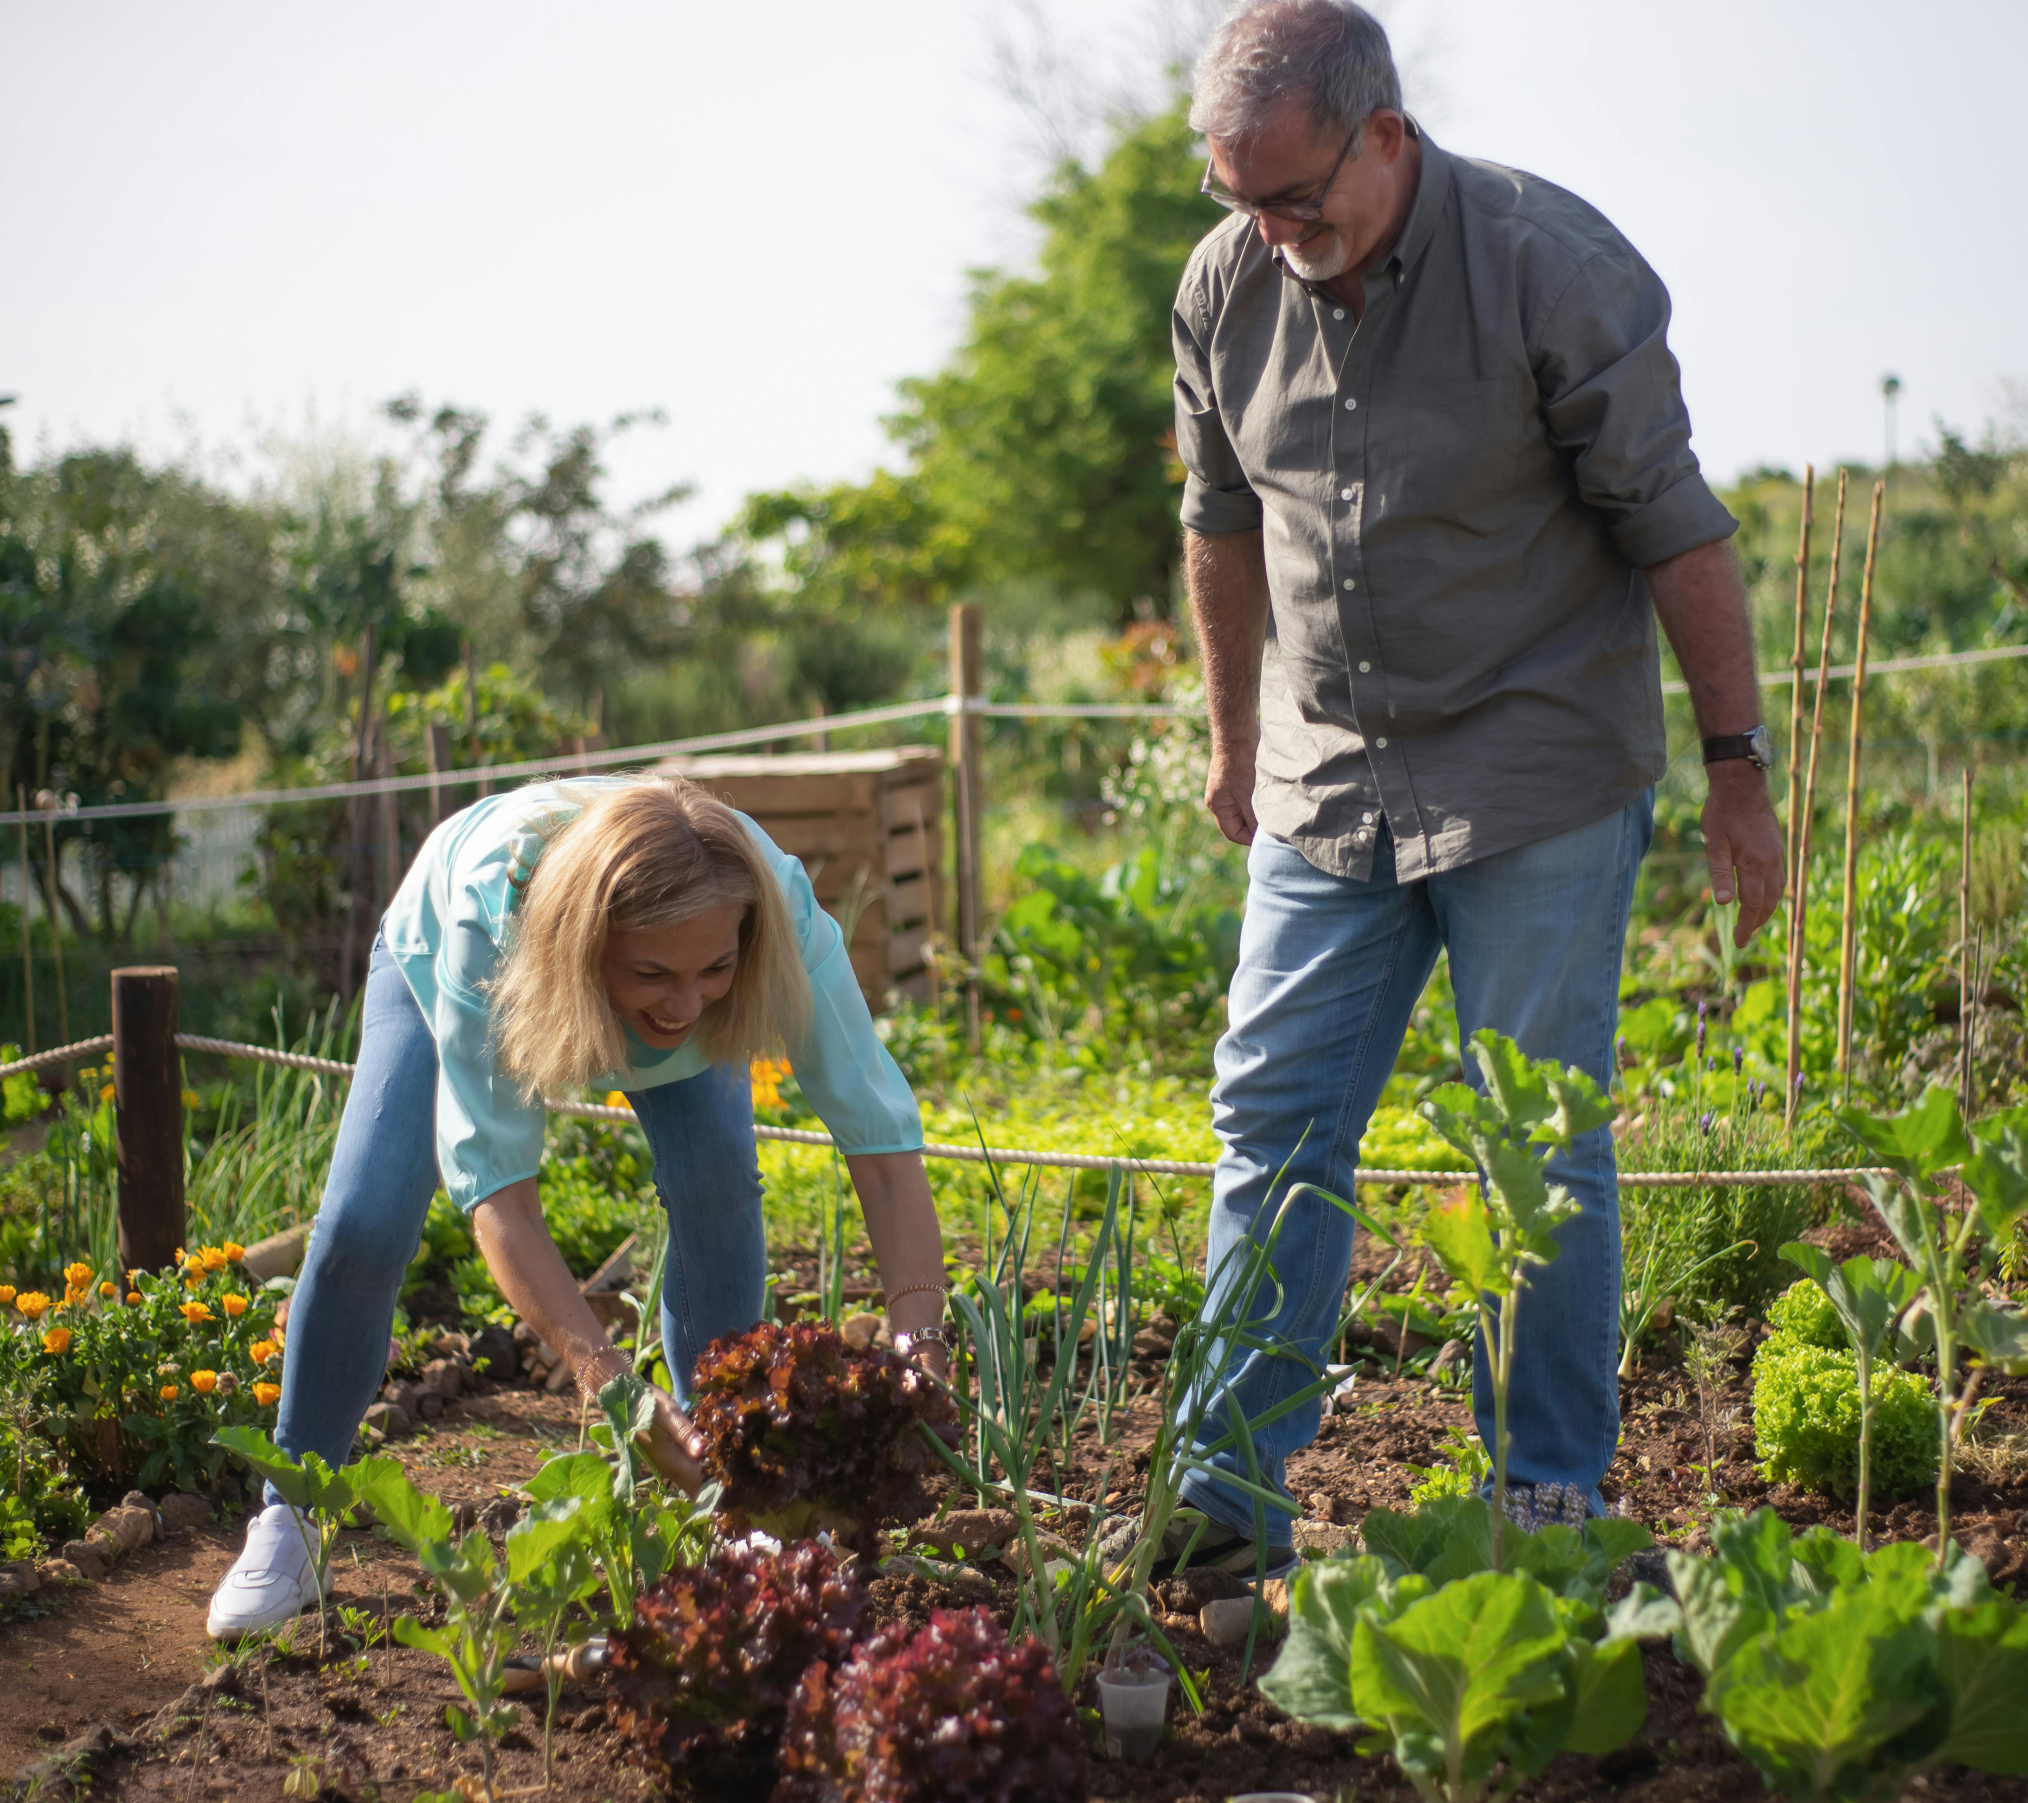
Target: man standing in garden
point(1439, 488)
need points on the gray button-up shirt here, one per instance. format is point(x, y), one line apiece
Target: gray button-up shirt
point(1458, 495)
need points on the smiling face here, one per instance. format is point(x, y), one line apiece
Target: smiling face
point(1289, 160)
point(661, 980)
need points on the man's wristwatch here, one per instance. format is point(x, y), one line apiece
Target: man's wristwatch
point(1757, 747)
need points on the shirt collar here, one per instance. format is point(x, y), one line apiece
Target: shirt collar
point(1432, 191)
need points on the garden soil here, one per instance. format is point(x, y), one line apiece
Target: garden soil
point(110, 1678)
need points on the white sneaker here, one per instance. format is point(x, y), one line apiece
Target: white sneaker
point(273, 1579)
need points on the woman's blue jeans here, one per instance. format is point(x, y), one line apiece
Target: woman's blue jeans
point(1329, 972)
point(384, 1172)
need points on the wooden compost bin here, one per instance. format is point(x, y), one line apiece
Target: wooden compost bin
point(868, 826)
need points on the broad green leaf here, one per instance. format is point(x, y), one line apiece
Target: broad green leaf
point(533, 1540)
point(1581, 1106)
point(1982, 1661)
point(1824, 1562)
point(268, 1461)
point(1515, 1083)
point(1311, 1678)
point(460, 1724)
point(628, 1404)
point(1611, 1695)
point(1615, 1540)
point(1911, 1221)
point(1815, 1705)
point(414, 1519)
point(583, 1475)
point(1460, 1235)
point(1996, 1172)
point(1868, 1293)
point(1644, 1613)
point(440, 1641)
point(1998, 1335)
point(1920, 1141)
point(1460, 1666)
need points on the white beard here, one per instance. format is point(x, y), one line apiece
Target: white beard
point(1319, 265)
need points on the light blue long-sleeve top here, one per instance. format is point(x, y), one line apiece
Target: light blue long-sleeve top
point(446, 927)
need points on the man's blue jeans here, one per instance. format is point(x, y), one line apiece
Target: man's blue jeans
point(384, 1171)
point(1329, 972)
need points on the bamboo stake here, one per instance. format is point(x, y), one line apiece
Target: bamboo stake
point(1795, 670)
point(55, 924)
point(27, 918)
point(1848, 942)
point(1799, 907)
point(1964, 955)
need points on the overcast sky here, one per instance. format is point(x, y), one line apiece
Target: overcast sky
point(227, 221)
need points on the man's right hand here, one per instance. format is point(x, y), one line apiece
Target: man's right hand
point(1228, 792)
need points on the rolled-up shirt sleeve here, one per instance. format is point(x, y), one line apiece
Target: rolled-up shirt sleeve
point(1218, 501)
point(847, 1075)
point(1612, 399)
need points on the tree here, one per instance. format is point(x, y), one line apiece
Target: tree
point(1044, 449)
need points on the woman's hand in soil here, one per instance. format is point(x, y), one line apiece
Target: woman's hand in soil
point(674, 1446)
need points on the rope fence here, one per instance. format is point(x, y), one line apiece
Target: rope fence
point(1067, 1161)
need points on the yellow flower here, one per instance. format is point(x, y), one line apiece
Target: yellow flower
point(56, 1340)
point(267, 1395)
point(204, 1382)
point(77, 1276)
point(234, 1305)
point(106, 1092)
point(617, 1098)
point(194, 1313)
point(193, 1274)
point(168, 1392)
point(133, 1298)
point(233, 1251)
point(107, 1291)
point(32, 1303)
point(190, 1098)
point(261, 1351)
point(6, 1294)
point(214, 1258)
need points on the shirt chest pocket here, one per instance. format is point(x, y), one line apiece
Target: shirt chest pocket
point(1467, 444)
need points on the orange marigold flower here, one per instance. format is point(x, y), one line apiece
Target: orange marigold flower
point(32, 1303)
point(106, 1290)
point(234, 1305)
point(133, 1298)
point(193, 1274)
point(77, 1276)
point(169, 1392)
point(233, 1251)
point(267, 1395)
point(6, 1294)
point(56, 1340)
point(261, 1351)
point(194, 1313)
point(105, 1092)
point(214, 1258)
point(204, 1382)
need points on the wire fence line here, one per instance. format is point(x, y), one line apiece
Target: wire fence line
point(1069, 1161)
point(583, 762)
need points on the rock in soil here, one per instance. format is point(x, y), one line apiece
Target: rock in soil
point(495, 1355)
point(139, 1499)
point(183, 1509)
point(60, 1571)
point(127, 1530)
point(70, 1770)
point(444, 1377)
point(17, 1578)
point(389, 1418)
point(499, 1515)
point(857, 1331)
point(971, 1531)
point(87, 1557)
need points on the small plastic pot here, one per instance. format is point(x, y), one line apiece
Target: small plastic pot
point(1134, 1705)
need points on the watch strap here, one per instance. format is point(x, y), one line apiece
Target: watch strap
point(1735, 745)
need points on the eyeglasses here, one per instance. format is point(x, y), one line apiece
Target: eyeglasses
point(1300, 212)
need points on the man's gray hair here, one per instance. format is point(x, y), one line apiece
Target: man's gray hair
point(1330, 56)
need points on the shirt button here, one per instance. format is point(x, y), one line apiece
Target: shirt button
point(1367, 816)
point(1350, 405)
point(1381, 743)
point(1365, 669)
point(1337, 312)
point(1349, 583)
point(1361, 836)
point(1344, 494)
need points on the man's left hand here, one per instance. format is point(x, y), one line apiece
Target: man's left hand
point(1742, 836)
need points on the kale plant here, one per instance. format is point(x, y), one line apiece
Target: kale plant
point(701, 1682)
point(805, 1434)
point(951, 1713)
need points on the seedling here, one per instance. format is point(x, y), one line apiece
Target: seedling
point(1919, 1145)
point(1870, 1295)
point(1489, 1238)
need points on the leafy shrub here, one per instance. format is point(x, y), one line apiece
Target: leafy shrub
point(949, 1714)
point(1806, 1419)
point(136, 1376)
point(701, 1682)
point(805, 1433)
point(1804, 1312)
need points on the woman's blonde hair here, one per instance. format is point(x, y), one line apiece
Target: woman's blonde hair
point(652, 853)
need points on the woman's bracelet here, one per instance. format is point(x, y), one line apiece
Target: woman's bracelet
point(915, 1289)
point(599, 1370)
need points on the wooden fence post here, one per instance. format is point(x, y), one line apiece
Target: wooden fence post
point(148, 1117)
point(967, 795)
